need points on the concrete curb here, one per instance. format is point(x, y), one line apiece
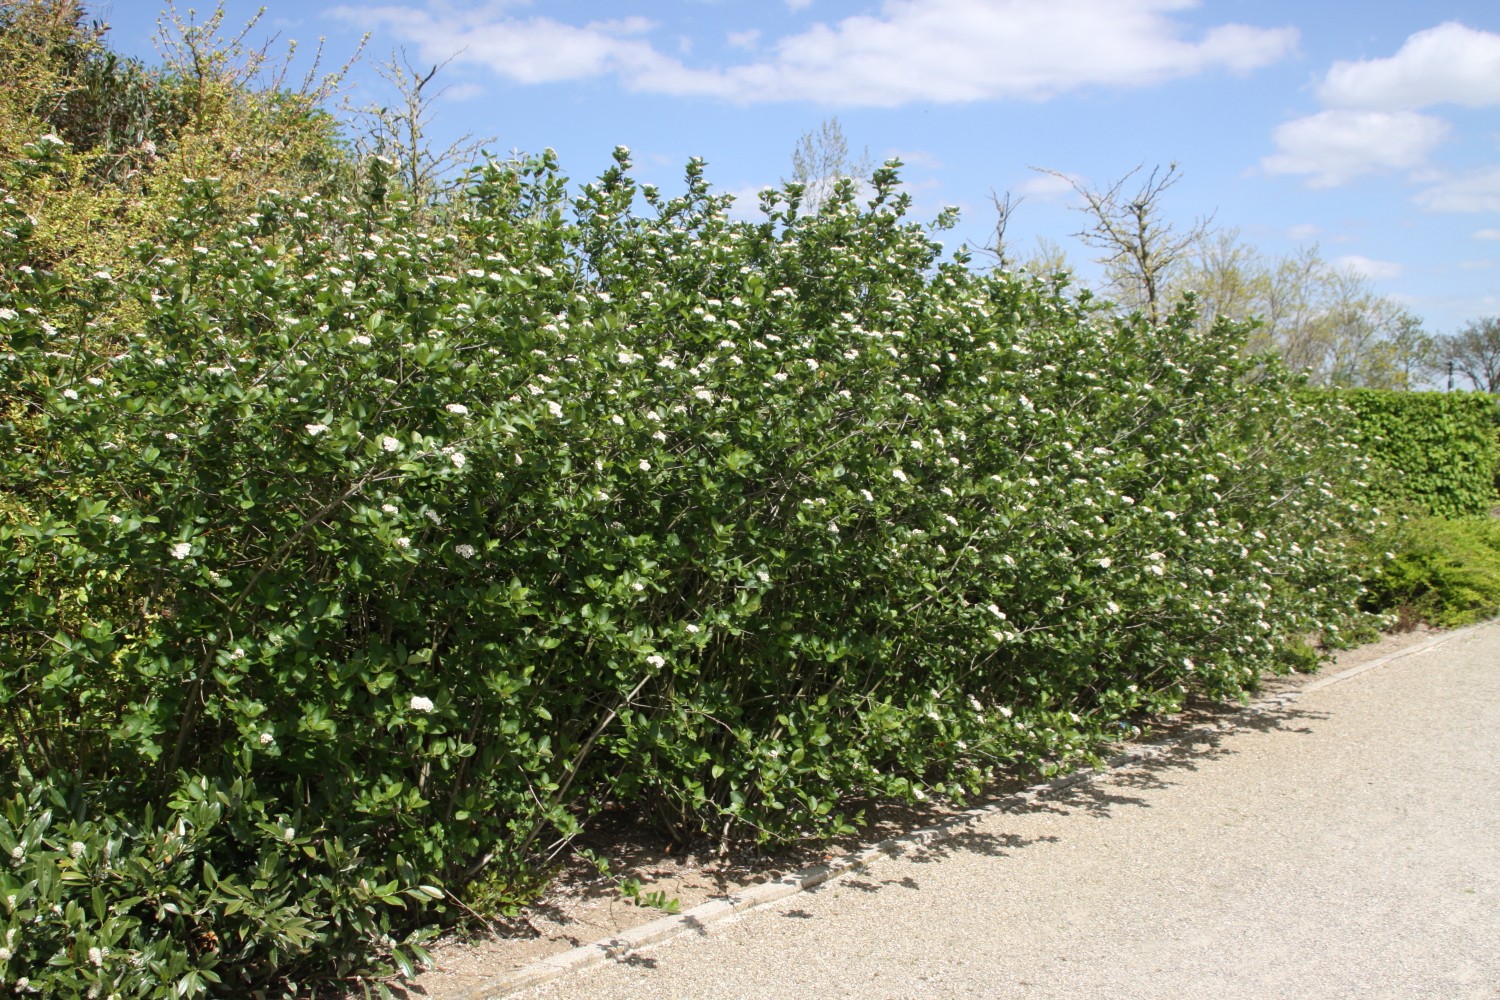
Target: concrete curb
point(739, 904)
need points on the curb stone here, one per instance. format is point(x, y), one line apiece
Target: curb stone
point(737, 905)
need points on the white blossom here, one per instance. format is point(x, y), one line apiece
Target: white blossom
point(390, 444)
point(182, 550)
point(464, 549)
point(458, 408)
point(315, 429)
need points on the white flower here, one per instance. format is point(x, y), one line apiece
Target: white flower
point(1106, 562)
point(389, 508)
point(780, 376)
point(17, 853)
point(458, 459)
point(458, 408)
point(464, 549)
point(390, 443)
point(899, 474)
point(238, 654)
point(555, 408)
point(403, 543)
point(5, 954)
point(833, 527)
point(77, 849)
point(360, 339)
point(625, 357)
point(266, 739)
point(420, 704)
point(617, 419)
point(8, 314)
point(182, 550)
point(867, 495)
point(70, 393)
point(315, 429)
point(656, 661)
point(289, 834)
point(645, 465)
point(96, 956)
point(692, 629)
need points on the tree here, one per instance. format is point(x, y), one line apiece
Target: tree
point(1474, 352)
point(1137, 248)
point(1323, 320)
point(399, 132)
point(821, 160)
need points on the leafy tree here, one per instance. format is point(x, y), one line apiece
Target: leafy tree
point(1474, 352)
point(1323, 320)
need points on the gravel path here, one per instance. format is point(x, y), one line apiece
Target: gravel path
point(1346, 846)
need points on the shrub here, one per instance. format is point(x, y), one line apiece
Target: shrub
point(1434, 453)
point(379, 556)
point(1446, 572)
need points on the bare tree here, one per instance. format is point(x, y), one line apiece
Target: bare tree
point(399, 132)
point(821, 160)
point(1138, 249)
point(1474, 352)
point(999, 246)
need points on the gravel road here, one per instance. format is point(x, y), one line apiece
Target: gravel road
point(1346, 846)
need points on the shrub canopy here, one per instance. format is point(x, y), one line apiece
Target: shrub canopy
point(379, 555)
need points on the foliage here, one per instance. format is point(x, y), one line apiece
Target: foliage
point(1442, 571)
point(1474, 352)
point(126, 134)
point(1323, 320)
point(374, 557)
point(1434, 453)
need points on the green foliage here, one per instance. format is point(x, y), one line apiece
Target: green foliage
point(1446, 572)
point(375, 557)
point(1434, 453)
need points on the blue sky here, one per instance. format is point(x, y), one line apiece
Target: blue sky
point(1370, 128)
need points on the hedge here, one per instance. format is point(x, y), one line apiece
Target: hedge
point(375, 556)
point(1434, 453)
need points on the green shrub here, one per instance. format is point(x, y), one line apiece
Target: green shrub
point(1446, 572)
point(1434, 453)
point(379, 557)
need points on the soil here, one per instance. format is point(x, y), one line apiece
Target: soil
point(581, 906)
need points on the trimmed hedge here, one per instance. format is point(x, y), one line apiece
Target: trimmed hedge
point(1434, 453)
point(380, 555)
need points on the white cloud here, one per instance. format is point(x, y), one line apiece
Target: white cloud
point(1049, 187)
point(1487, 234)
point(796, 5)
point(1304, 232)
point(462, 92)
point(1449, 64)
point(1475, 265)
point(1375, 270)
point(1334, 146)
point(943, 51)
point(743, 39)
point(1475, 192)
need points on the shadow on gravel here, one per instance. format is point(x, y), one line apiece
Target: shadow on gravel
point(1198, 736)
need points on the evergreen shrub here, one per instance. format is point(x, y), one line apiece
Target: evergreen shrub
point(383, 552)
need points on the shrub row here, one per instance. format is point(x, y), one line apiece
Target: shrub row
point(371, 557)
point(1433, 453)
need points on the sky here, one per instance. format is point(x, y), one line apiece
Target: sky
point(1367, 128)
